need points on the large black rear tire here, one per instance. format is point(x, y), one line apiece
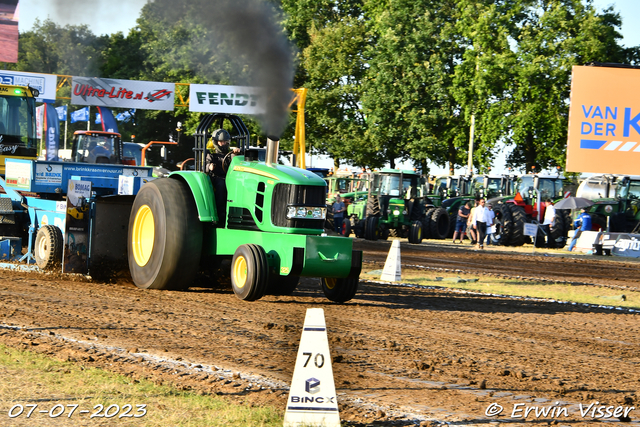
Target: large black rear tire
point(504, 224)
point(519, 219)
point(249, 272)
point(165, 236)
point(439, 223)
point(48, 247)
point(339, 290)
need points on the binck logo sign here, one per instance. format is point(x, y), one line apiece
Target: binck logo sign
point(226, 99)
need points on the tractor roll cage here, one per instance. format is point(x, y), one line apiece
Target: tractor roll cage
point(239, 133)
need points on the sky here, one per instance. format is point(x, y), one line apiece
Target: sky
point(111, 16)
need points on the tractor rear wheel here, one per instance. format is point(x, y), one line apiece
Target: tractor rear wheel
point(165, 236)
point(519, 219)
point(339, 290)
point(48, 250)
point(373, 206)
point(415, 233)
point(250, 272)
point(439, 223)
point(371, 228)
point(504, 225)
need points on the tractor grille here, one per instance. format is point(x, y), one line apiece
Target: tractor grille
point(298, 195)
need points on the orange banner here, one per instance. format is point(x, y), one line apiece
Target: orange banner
point(604, 120)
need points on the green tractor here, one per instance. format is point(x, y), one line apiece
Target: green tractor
point(396, 205)
point(616, 207)
point(272, 233)
point(526, 205)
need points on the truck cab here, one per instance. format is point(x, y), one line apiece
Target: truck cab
point(18, 138)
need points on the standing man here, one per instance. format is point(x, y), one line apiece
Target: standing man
point(461, 221)
point(338, 213)
point(217, 150)
point(584, 223)
point(480, 222)
point(549, 221)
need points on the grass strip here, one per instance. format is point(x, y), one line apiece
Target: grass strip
point(28, 379)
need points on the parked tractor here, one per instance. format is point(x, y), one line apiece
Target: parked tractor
point(272, 231)
point(396, 205)
point(527, 206)
point(616, 200)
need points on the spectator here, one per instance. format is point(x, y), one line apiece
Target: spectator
point(461, 221)
point(549, 222)
point(338, 214)
point(491, 218)
point(582, 223)
point(480, 223)
point(472, 232)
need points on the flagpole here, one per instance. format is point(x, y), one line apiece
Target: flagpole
point(66, 120)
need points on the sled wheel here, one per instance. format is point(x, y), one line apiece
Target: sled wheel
point(48, 250)
point(339, 290)
point(249, 272)
point(415, 233)
point(165, 236)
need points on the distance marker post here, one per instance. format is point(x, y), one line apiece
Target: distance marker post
point(312, 397)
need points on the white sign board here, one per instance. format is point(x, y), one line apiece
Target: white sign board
point(45, 83)
point(116, 93)
point(226, 99)
point(531, 230)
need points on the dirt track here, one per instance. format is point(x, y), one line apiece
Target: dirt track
point(401, 355)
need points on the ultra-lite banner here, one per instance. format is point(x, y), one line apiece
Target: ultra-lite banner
point(604, 120)
point(226, 99)
point(114, 93)
point(45, 83)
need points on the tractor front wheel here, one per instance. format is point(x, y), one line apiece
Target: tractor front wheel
point(249, 272)
point(339, 290)
point(48, 250)
point(415, 233)
point(371, 228)
point(165, 236)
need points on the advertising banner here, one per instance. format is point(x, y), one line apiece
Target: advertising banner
point(52, 131)
point(116, 93)
point(627, 245)
point(604, 120)
point(76, 236)
point(107, 120)
point(226, 99)
point(45, 83)
point(81, 115)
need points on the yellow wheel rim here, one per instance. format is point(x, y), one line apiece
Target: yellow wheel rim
point(419, 233)
point(42, 248)
point(240, 271)
point(143, 235)
point(331, 282)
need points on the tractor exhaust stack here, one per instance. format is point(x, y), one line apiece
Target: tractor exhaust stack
point(273, 145)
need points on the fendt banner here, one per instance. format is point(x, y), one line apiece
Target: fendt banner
point(226, 99)
point(114, 93)
point(604, 120)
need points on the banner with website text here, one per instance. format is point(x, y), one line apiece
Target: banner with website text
point(115, 93)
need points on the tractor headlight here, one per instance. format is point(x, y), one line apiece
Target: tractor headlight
point(404, 213)
point(396, 212)
point(304, 212)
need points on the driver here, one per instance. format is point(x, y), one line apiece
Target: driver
point(218, 149)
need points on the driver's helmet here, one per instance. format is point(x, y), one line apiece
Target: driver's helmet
point(217, 135)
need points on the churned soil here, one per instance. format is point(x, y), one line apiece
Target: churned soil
point(401, 355)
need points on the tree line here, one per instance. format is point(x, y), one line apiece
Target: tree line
point(387, 80)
